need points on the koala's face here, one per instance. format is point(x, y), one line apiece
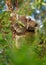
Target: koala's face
point(31, 25)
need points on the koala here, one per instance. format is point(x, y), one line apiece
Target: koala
point(29, 25)
point(18, 31)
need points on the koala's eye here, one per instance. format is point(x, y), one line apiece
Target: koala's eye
point(29, 19)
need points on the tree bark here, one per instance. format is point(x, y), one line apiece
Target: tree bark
point(17, 3)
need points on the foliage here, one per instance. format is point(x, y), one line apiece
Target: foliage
point(33, 46)
point(2, 3)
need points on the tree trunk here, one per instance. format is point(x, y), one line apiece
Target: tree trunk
point(17, 3)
